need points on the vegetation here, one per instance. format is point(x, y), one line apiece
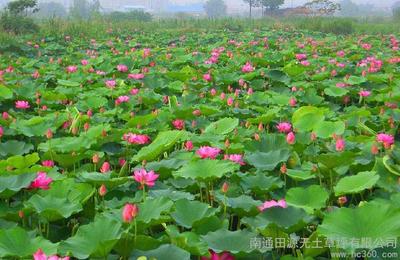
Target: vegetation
point(215, 8)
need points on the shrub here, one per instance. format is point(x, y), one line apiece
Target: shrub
point(15, 17)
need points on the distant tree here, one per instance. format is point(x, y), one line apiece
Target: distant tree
point(271, 5)
point(51, 9)
point(322, 7)
point(83, 9)
point(252, 3)
point(396, 11)
point(215, 8)
point(15, 17)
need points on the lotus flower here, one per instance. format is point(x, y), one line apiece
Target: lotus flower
point(84, 62)
point(122, 99)
point(386, 139)
point(136, 139)
point(290, 138)
point(340, 144)
point(207, 77)
point(1, 131)
point(122, 68)
point(284, 127)
point(136, 76)
point(364, 93)
point(48, 163)
point(272, 203)
point(208, 152)
point(236, 158)
point(189, 146)
point(110, 83)
point(72, 69)
point(178, 124)
point(145, 178)
point(222, 256)
point(292, 102)
point(301, 56)
point(129, 212)
point(105, 167)
point(41, 181)
point(40, 255)
point(247, 68)
point(20, 104)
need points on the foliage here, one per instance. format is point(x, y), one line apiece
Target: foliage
point(14, 17)
point(322, 7)
point(129, 16)
point(215, 8)
point(237, 134)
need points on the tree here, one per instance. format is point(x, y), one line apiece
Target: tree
point(83, 9)
point(15, 17)
point(215, 8)
point(272, 5)
point(51, 9)
point(252, 3)
point(322, 7)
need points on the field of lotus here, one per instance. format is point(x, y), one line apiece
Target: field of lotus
point(264, 144)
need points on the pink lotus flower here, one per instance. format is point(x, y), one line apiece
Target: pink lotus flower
point(36, 74)
point(273, 203)
point(136, 76)
point(284, 127)
point(340, 144)
point(136, 139)
point(213, 92)
point(179, 124)
point(364, 93)
point(5, 115)
point(301, 56)
point(122, 99)
point(110, 83)
point(229, 101)
point(1, 131)
point(340, 53)
point(207, 77)
point(84, 62)
point(129, 212)
point(292, 101)
point(122, 68)
point(222, 256)
point(247, 68)
point(236, 158)
point(290, 138)
point(145, 178)
point(189, 145)
point(40, 255)
point(72, 69)
point(386, 139)
point(305, 63)
point(134, 91)
point(105, 167)
point(20, 104)
point(48, 163)
point(366, 46)
point(41, 181)
point(208, 152)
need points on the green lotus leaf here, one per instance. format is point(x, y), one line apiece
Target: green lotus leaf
point(14, 147)
point(206, 169)
point(326, 129)
point(356, 183)
point(9, 185)
point(163, 142)
point(260, 182)
point(290, 218)
point(222, 126)
point(93, 240)
point(5, 93)
point(307, 117)
point(21, 162)
point(51, 208)
point(267, 161)
point(187, 212)
point(17, 242)
point(310, 198)
point(230, 241)
point(164, 252)
point(151, 209)
point(335, 91)
point(370, 222)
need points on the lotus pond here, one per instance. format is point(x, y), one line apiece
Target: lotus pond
point(219, 145)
